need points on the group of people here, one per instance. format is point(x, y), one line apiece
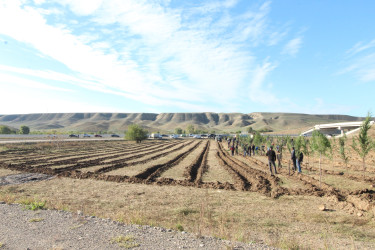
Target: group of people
point(251, 149)
point(297, 161)
point(247, 149)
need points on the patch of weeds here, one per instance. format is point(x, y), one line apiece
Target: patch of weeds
point(348, 230)
point(289, 244)
point(186, 211)
point(33, 205)
point(36, 220)
point(1, 244)
point(179, 227)
point(271, 223)
point(127, 241)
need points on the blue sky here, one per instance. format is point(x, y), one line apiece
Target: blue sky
point(315, 57)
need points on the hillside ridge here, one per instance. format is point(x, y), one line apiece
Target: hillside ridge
point(93, 122)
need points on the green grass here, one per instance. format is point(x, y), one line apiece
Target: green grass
point(33, 205)
point(126, 241)
point(179, 227)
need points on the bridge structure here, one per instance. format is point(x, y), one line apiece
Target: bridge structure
point(336, 129)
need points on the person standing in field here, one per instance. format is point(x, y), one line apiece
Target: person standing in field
point(244, 148)
point(294, 158)
point(299, 162)
point(237, 148)
point(249, 150)
point(253, 148)
point(232, 149)
point(271, 159)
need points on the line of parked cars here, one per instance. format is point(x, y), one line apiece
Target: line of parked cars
point(88, 136)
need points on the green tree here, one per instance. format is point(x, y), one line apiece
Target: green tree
point(5, 130)
point(178, 131)
point(190, 129)
point(364, 141)
point(342, 152)
point(250, 130)
point(257, 139)
point(320, 144)
point(136, 133)
point(25, 130)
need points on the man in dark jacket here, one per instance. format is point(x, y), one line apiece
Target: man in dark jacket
point(299, 162)
point(293, 158)
point(271, 159)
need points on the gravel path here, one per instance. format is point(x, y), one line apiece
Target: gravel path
point(52, 229)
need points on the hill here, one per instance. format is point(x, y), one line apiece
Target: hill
point(118, 122)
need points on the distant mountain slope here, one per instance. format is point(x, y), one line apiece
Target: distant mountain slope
point(93, 122)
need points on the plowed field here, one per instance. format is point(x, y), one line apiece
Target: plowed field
point(203, 166)
point(199, 163)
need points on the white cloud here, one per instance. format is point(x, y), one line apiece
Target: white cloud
point(292, 47)
point(22, 82)
point(156, 55)
point(359, 47)
point(257, 92)
point(362, 67)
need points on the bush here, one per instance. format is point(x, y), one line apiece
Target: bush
point(25, 130)
point(136, 133)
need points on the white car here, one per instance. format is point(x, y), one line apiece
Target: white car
point(197, 136)
point(173, 136)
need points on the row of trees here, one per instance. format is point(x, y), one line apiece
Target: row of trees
point(5, 130)
point(320, 144)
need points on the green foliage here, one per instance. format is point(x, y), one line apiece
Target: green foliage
point(289, 143)
point(342, 142)
point(257, 139)
point(320, 143)
point(250, 130)
point(179, 227)
point(190, 129)
point(178, 131)
point(5, 130)
point(34, 205)
point(135, 133)
point(25, 130)
point(365, 143)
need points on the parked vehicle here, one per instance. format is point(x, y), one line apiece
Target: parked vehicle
point(155, 136)
point(86, 135)
point(114, 135)
point(73, 135)
point(197, 136)
point(173, 136)
point(98, 136)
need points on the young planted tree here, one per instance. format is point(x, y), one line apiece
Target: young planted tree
point(365, 143)
point(320, 144)
point(342, 152)
point(136, 133)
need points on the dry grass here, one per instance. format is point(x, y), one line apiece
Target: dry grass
point(286, 222)
point(4, 172)
point(215, 171)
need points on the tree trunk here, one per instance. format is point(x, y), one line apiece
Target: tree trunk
point(320, 170)
point(364, 166)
